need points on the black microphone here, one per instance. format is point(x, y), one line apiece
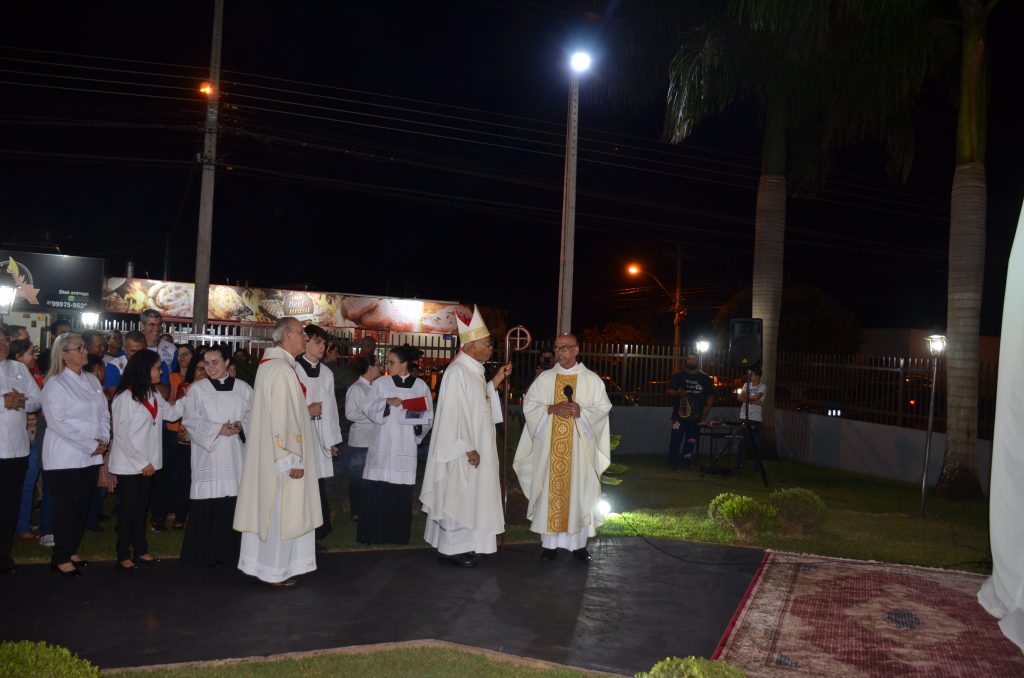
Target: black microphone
point(568, 392)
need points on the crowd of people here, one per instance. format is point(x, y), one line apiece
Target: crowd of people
point(247, 471)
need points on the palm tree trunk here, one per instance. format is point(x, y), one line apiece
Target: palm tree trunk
point(769, 245)
point(959, 479)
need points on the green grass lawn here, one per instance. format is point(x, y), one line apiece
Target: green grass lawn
point(868, 518)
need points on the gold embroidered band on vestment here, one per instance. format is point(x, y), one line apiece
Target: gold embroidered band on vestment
point(560, 470)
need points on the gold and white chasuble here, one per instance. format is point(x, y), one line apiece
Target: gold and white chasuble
point(559, 460)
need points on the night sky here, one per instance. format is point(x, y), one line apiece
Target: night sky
point(416, 149)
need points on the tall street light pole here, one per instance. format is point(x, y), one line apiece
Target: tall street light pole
point(677, 303)
point(579, 63)
point(204, 241)
point(936, 345)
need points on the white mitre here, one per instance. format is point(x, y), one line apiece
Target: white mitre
point(475, 329)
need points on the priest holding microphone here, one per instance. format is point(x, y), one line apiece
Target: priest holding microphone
point(563, 451)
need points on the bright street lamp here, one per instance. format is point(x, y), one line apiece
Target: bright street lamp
point(936, 345)
point(578, 63)
point(702, 347)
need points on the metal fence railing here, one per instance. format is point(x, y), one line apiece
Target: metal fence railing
point(883, 390)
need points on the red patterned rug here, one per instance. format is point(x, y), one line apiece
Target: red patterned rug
point(817, 616)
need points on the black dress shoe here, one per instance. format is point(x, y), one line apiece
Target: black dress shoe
point(71, 573)
point(286, 584)
point(80, 563)
point(582, 555)
point(458, 560)
point(147, 563)
point(548, 554)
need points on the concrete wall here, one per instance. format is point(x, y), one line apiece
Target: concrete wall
point(646, 430)
point(873, 449)
point(862, 447)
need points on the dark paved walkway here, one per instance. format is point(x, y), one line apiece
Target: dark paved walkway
point(631, 607)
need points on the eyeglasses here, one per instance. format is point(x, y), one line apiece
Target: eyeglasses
point(566, 347)
point(80, 348)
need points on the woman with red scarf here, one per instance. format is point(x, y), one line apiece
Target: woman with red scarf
point(136, 452)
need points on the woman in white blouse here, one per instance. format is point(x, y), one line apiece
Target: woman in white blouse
point(138, 412)
point(353, 452)
point(401, 407)
point(77, 435)
point(20, 396)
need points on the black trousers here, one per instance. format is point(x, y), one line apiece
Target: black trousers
point(134, 491)
point(71, 489)
point(12, 477)
point(387, 518)
point(325, 509)
point(161, 499)
point(182, 482)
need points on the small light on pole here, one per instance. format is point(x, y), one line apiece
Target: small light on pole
point(936, 345)
point(702, 347)
point(7, 295)
point(90, 319)
point(206, 88)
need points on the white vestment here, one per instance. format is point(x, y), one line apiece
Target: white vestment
point(276, 513)
point(1002, 594)
point(391, 457)
point(216, 459)
point(563, 495)
point(326, 429)
point(462, 503)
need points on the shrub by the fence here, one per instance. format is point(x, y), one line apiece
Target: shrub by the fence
point(691, 667)
point(25, 659)
point(715, 508)
point(747, 516)
point(799, 511)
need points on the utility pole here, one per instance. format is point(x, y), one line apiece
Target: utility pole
point(204, 240)
point(565, 269)
point(677, 311)
point(579, 63)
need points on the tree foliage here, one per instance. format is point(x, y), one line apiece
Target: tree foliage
point(616, 333)
point(811, 321)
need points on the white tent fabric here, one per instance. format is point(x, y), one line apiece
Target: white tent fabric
point(1002, 594)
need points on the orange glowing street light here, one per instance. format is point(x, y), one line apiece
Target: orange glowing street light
point(206, 88)
point(677, 303)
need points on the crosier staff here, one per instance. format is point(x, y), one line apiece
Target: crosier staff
point(517, 339)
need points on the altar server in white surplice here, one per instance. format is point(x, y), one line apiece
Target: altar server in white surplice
point(323, 412)
point(563, 451)
point(278, 498)
point(216, 416)
point(401, 407)
point(461, 492)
